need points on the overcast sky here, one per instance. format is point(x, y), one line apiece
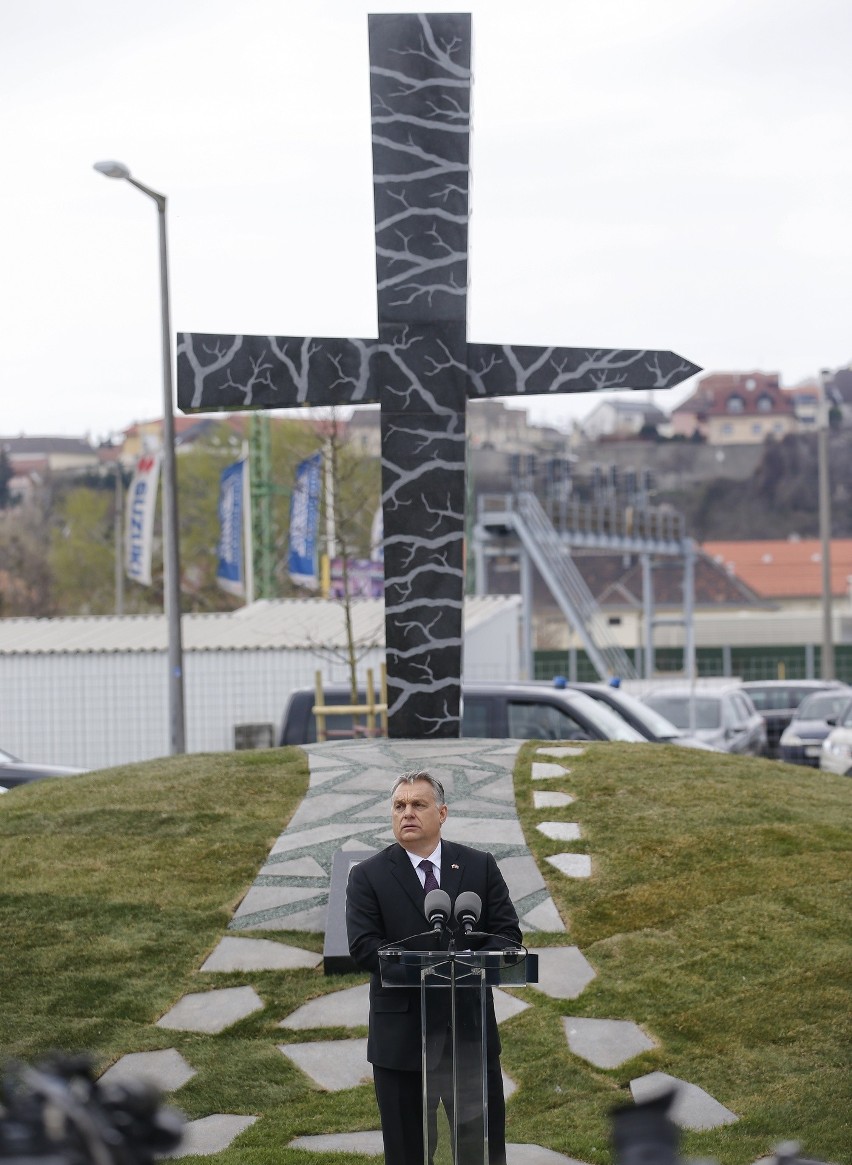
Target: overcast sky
point(646, 174)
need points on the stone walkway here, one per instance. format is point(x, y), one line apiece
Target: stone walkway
point(347, 807)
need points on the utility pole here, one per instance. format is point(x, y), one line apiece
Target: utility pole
point(825, 527)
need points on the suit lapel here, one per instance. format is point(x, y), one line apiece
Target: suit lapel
point(452, 869)
point(403, 871)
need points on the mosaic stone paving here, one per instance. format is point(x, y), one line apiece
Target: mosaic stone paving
point(347, 807)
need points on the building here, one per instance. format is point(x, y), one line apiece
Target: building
point(621, 419)
point(737, 408)
point(787, 571)
point(92, 692)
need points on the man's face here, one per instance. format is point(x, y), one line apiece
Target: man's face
point(417, 819)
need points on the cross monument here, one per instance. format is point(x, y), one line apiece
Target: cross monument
point(420, 368)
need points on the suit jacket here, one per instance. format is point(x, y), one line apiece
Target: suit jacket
point(384, 904)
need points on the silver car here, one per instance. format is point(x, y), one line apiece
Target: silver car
point(721, 716)
point(836, 755)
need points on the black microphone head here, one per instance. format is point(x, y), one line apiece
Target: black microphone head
point(437, 906)
point(468, 907)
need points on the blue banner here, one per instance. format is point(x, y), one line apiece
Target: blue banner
point(304, 523)
point(230, 573)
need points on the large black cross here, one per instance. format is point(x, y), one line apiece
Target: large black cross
point(421, 368)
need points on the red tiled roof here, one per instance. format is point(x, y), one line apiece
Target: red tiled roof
point(785, 569)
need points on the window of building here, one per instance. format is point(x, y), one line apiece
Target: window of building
point(735, 404)
point(764, 403)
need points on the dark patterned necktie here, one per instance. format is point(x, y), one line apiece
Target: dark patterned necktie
point(431, 882)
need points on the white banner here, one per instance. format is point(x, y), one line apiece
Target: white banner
point(139, 524)
point(230, 573)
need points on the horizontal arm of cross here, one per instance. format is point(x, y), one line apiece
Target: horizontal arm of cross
point(268, 372)
point(500, 370)
point(231, 372)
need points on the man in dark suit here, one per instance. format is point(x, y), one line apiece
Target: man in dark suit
point(384, 904)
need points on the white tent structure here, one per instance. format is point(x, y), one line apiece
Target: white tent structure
point(93, 692)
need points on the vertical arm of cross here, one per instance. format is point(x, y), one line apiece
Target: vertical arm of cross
point(420, 93)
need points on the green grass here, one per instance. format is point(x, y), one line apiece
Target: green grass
point(717, 917)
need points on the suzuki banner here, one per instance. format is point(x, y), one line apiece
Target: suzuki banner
point(139, 524)
point(230, 572)
point(304, 522)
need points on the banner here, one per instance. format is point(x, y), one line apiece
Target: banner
point(365, 578)
point(230, 571)
point(377, 536)
point(304, 520)
point(139, 523)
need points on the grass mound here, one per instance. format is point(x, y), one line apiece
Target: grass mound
point(717, 917)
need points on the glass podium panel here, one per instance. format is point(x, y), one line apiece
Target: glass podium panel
point(455, 994)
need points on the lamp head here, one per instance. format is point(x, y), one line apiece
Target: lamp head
point(112, 169)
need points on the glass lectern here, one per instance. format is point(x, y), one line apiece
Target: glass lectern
point(454, 988)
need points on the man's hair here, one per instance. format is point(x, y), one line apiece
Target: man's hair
point(421, 775)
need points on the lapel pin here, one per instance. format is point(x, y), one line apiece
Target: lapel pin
point(454, 866)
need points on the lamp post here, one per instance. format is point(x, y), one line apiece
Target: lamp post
point(825, 529)
point(171, 552)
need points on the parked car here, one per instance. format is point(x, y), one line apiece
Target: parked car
point(645, 719)
point(836, 755)
point(723, 716)
point(801, 741)
point(15, 772)
point(522, 711)
point(777, 701)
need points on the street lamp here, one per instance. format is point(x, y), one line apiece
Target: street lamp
point(171, 552)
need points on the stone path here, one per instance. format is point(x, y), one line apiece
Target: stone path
point(346, 807)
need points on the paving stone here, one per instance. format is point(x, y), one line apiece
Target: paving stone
point(333, 1064)
point(326, 776)
point(368, 1144)
point(374, 780)
point(536, 1155)
point(310, 921)
point(560, 830)
point(306, 867)
point(606, 1043)
point(561, 750)
point(522, 876)
point(506, 1006)
point(563, 972)
point(481, 831)
point(325, 807)
point(693, 1108)
point(212, 1011)
point(347, 1008)
point(479, 806)
point(354, 843)
point(308, 838)
point(260, 898)
point(544, 917)
point(541, 771)
point(258, 954)
point(167, 1070)
point(500, 788)
point(211, 1134)
point(543, 800)
point(572, 865)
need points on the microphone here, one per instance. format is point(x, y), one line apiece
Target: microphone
point(468, 909)
point(436, 907)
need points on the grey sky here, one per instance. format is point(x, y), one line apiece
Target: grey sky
point(646, 173)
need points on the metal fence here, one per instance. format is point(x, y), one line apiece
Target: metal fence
point(746, 663)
